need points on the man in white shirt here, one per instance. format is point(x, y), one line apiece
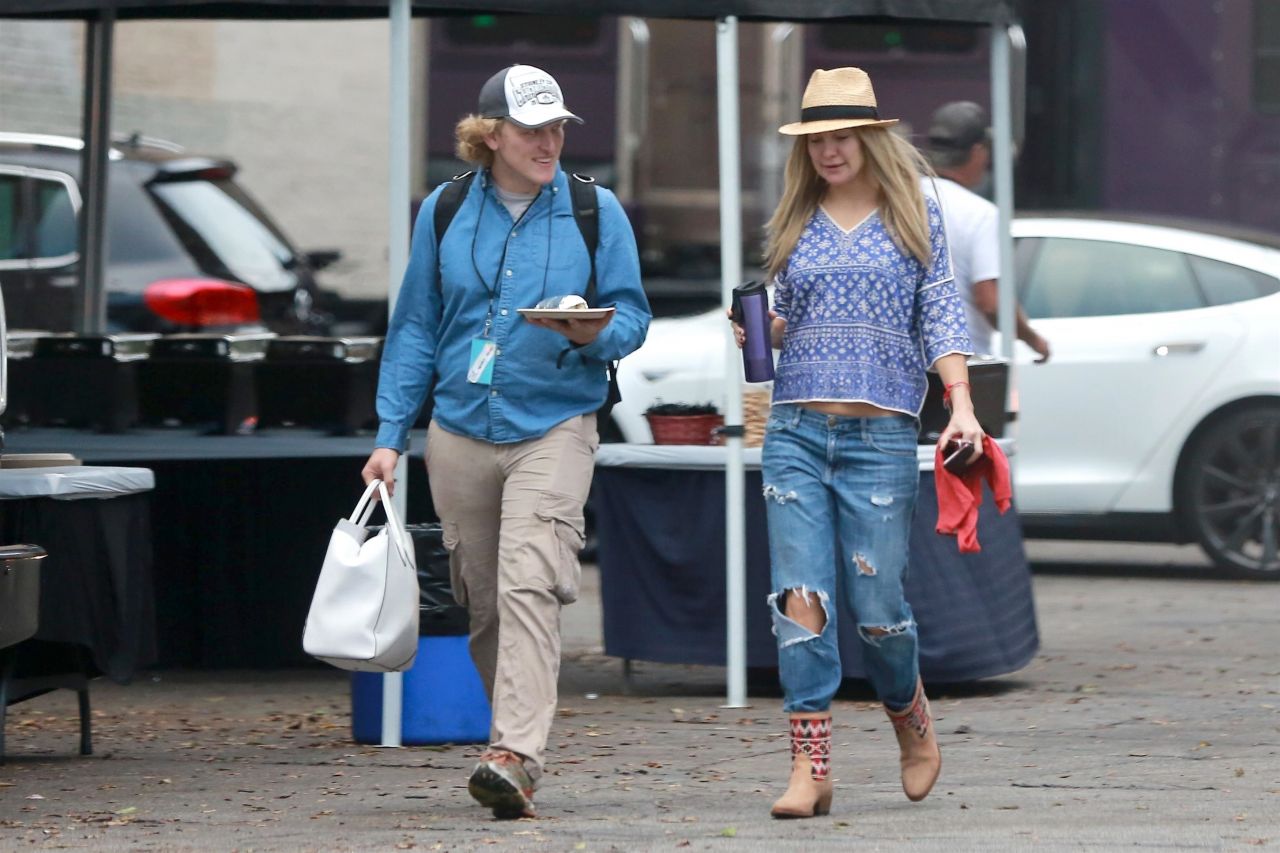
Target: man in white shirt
point(959, 150)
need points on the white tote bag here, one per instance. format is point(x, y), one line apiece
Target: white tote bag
point(364, 614)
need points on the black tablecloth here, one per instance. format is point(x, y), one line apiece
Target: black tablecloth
point(661, 554)
point(96, 583)
point(239, 528)
point(239, 544)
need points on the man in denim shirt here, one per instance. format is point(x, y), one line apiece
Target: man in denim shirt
point(510, 449)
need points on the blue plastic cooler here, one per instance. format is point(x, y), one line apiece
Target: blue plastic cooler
point(444, 701)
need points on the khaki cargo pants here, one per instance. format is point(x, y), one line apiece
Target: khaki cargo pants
point(513, 524)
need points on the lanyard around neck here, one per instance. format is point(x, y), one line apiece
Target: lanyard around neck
point(495, 289)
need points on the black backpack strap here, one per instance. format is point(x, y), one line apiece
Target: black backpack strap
point(449, 201)
point(586, 212)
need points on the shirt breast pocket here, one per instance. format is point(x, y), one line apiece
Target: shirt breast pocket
point(567, 251)
point(453, 270)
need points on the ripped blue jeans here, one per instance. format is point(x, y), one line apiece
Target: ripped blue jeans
point(840, 493)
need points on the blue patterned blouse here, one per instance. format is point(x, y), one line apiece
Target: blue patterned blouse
point(864, 320)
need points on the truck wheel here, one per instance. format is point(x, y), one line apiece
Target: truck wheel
point(1231, 491)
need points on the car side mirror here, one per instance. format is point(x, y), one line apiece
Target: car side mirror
point(322, 258)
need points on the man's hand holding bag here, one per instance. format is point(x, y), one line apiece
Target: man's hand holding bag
point(364, 614)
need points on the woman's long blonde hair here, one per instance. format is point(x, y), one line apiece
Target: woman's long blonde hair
point(896, 167)
point(469, 134)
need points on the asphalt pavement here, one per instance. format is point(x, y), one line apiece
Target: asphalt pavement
point(1149, 720)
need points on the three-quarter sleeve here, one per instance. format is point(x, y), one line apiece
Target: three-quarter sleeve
point(782, 293)
point(939, 305)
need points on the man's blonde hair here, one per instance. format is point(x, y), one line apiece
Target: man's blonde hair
point(469, 134)
point(896, 167)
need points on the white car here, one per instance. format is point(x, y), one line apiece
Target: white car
point(1158, 417)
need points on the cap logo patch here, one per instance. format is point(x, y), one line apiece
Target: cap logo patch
point(537, 91)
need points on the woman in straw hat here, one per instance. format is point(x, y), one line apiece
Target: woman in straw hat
point(864, 304)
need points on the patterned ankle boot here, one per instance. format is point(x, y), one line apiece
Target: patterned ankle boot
point(809, 791)
point(920, 757)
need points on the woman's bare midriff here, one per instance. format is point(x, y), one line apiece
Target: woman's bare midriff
point(848, 410)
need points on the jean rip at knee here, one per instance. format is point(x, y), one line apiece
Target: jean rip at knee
point(789, 631)
point(875, 635)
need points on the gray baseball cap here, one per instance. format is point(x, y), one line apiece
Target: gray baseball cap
point(524, 95)
point(958, 126)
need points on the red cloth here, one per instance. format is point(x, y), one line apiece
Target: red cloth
point(959, 496)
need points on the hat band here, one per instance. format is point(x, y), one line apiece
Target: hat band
point(837, 111)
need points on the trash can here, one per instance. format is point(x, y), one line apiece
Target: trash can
point(440, 615)
point(20, 345)
point(322, 383)
point(988, 386)
point(19, 592)
point(86, 380)
point(443, 699)
point(205, 379)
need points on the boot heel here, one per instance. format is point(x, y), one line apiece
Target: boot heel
point(823, 806)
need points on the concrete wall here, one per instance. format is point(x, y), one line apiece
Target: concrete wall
point(301, 106)
point(40, 76)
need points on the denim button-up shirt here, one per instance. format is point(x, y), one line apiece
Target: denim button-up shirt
point(469, 288)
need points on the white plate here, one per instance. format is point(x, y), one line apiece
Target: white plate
point(566, 313)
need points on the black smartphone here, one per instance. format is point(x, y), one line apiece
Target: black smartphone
point(955, 456)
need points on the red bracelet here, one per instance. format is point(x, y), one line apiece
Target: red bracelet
point(946, 393)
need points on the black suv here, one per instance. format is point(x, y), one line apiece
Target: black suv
point(186, 248)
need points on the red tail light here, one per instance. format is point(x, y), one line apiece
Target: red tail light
point(202, 302)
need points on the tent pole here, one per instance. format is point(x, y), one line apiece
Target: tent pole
point(398, 256)
point(1002, 179)
point(96, 136)
point(730, 277)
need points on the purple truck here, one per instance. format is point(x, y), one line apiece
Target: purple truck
point(1160, 107)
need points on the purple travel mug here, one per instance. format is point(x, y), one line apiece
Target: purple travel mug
point(751, 312)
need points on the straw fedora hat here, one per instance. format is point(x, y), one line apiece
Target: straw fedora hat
point(836, 99)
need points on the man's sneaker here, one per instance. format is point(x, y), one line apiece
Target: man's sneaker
point(501, 783)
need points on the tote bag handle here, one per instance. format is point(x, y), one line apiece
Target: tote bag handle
point(364, 509)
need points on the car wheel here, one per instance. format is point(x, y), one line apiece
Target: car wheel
point(1231, 491)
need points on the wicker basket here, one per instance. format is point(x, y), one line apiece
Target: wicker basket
point(685, 429)
point(755, 414)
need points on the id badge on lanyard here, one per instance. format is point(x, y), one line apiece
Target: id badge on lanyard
point(481, 370)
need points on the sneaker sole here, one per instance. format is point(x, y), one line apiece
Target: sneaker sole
point(496, 792)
